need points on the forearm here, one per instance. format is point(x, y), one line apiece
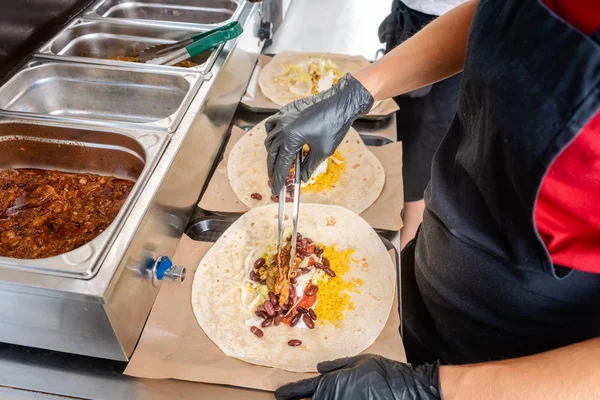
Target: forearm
point(571, 372)
point(434, 53)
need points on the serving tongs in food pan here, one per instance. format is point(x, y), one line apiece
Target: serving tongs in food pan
point(171, 54)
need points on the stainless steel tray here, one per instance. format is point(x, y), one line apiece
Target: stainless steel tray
point(115, 96)
point(74, 149)
point(100, 41)
point(169, 12)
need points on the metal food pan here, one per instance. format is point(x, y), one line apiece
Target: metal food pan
point(76, 149)
point(108, 95)
point(171, 12)
point(100, 42)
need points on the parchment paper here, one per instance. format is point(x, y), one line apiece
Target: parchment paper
point(384, 213)
point(256, 101)
point(174, 346)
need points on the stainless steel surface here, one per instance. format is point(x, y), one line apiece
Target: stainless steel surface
point(169, 12)
point(129, 156)
point(103, 316)
point(272, 13)
point(100, 41)
point(51, 375)
point(112, 96)
point(338, 26)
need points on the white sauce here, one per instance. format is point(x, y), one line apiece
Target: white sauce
point(321, 169)
point(301, 88)
point(325, 82)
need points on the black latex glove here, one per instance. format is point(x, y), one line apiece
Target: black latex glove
point(367, 377)
point(319, 121)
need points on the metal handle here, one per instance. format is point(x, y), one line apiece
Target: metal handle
point(163, 268)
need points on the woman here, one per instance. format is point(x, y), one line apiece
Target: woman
point(425, 113)
point(504, 274)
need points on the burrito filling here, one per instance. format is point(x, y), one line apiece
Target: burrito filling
point(295, 297)
point(325, 177)
point(309, 77)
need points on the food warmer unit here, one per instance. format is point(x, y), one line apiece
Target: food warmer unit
point(73, 106)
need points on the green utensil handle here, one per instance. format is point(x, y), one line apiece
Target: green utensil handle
point(213, 38)
point(230, 25)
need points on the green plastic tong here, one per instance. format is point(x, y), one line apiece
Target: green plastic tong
point(171, 54)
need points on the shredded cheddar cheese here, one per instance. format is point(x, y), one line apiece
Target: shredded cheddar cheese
point(334, 297)
point(330, 177)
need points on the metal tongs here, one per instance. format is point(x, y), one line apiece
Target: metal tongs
point(171, 54)
point(296, 210)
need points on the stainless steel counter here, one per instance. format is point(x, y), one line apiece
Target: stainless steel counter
point(338, 26)
point(27, 373)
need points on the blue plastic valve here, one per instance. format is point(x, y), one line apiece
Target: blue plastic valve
point(163, 264)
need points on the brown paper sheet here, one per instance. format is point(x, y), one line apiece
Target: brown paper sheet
point(173, 346)
point(219, 197)
point(256, 101)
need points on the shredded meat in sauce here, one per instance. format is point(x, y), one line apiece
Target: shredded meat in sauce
point(47, 213)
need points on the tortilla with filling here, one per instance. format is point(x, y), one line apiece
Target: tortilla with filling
point(353, 178)
point(275, 90)
point(220, 280)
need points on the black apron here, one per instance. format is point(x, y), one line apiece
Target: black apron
point(483, 285)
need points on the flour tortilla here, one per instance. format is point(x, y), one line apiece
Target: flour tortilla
point(280, 94)
point(356, 189)
point(217, 302)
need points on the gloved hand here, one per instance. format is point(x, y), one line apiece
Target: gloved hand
point(320, 121)
point(367, 377)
